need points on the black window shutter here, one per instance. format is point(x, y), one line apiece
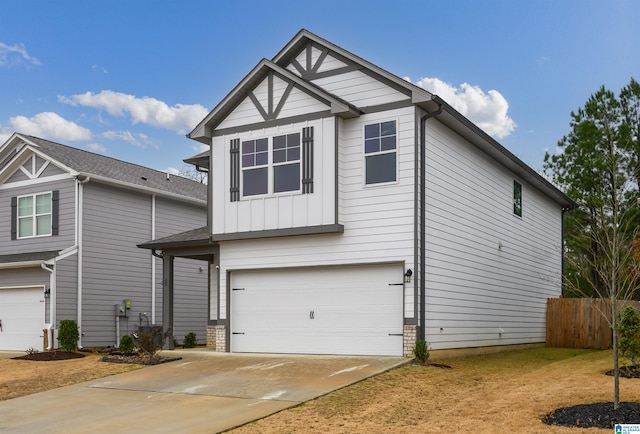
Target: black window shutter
point(234, 171)
point(14, 217)
point(55, 212)
point(307, 160)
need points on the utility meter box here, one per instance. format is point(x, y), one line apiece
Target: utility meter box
point(121, 310)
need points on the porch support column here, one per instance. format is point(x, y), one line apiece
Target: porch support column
point(167, 301)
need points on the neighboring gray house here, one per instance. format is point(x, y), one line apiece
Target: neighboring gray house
point(352, 212)
point(69, 224)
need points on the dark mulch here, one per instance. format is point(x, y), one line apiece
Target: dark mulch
point(598, 415)
point(433, 365)
point(137, 359)
point(49, 356)
point(631, 371)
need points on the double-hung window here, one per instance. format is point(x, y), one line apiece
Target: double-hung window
point(34, 215)
point(286, 163)
point(380, 152)
point(255, 167)
point(271, 162)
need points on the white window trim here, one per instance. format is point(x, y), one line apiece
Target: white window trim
point(364, 155)
point(34, 215)
point(270, 165)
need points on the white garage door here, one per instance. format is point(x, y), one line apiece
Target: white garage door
point(21, 318)
point(349, 310)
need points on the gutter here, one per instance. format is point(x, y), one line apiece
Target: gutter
point(82, 180)
point(423, 198)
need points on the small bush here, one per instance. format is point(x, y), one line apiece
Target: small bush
point(150, 341)
point(190, 340)
point(68, 335)
point(629, 334)
point(126, 344)
point(421, 351)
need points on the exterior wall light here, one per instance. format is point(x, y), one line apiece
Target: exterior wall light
point(407, 276)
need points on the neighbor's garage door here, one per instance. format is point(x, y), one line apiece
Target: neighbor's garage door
point(22, 318)
point(349, 310)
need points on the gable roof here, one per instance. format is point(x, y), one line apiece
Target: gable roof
point(203, 131)
point(418, 96)
point(86, 164)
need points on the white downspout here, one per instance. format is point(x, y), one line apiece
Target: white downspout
point(52, 303)
point(79, 243)
point(153, 261)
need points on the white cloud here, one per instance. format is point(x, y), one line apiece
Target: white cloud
point(49, 125)
point(487, 110)
point(139, 140)
point(15, 55)
point(173, 171)
point(200, 148)
point(95, 147)
point(180, 117)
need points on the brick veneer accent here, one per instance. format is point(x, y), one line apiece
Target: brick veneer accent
point(410, 336)
point(217, 338)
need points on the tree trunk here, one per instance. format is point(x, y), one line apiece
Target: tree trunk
point(616, 369)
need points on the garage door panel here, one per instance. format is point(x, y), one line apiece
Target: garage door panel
point(350, 310)
point(22, 315)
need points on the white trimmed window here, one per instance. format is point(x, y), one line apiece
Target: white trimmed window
point(286, 163)
point(281, 171)
point(380, 152)
point(34, 216)
point(255, 167)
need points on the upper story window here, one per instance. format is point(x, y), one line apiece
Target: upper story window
point(34, 215)
point(517, 198)
point(286, 163)
point(255, 167)
point(380, 152)
point(281, 171)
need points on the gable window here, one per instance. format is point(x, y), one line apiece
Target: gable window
point(255, 167)
point(286, 163)
point(517, 198)
point(34, 215)
point(380, 152)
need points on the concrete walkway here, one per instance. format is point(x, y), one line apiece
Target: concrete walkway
point(205, 392)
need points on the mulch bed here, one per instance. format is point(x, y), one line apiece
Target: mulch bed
point(631, 371)
point(49, 356)
point(598, 415)
point(139, 359)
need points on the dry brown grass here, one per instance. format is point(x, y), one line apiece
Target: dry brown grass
point(505, 392)
point(24, 377)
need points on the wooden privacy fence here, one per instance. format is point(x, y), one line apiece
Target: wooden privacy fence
point(579, 323)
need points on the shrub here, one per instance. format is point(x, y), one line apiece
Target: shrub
point(421, 351)
point(68, 335)
point(190, 340)
point(126, 344)
point(629, 334)
point(150, 340)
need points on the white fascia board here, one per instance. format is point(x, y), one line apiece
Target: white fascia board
point(23, 264)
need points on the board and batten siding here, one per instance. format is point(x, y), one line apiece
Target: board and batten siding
point(66, 236)
point(378, 220)
point(489, 272)
point(114, 268)
point(282, 210)
point(191, 295)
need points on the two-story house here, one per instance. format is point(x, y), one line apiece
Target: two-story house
point(70, 221)
point(353, 212)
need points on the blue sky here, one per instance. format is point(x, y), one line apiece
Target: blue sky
point(129, 79)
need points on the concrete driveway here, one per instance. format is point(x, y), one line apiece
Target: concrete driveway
point(205, 392)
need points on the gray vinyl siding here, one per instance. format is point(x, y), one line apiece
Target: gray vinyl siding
point(67, 289)
point(489, 272)
point(23, 277)
point(114, 269)
point(18, 176)
point(191, 298)
point(66, 237)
